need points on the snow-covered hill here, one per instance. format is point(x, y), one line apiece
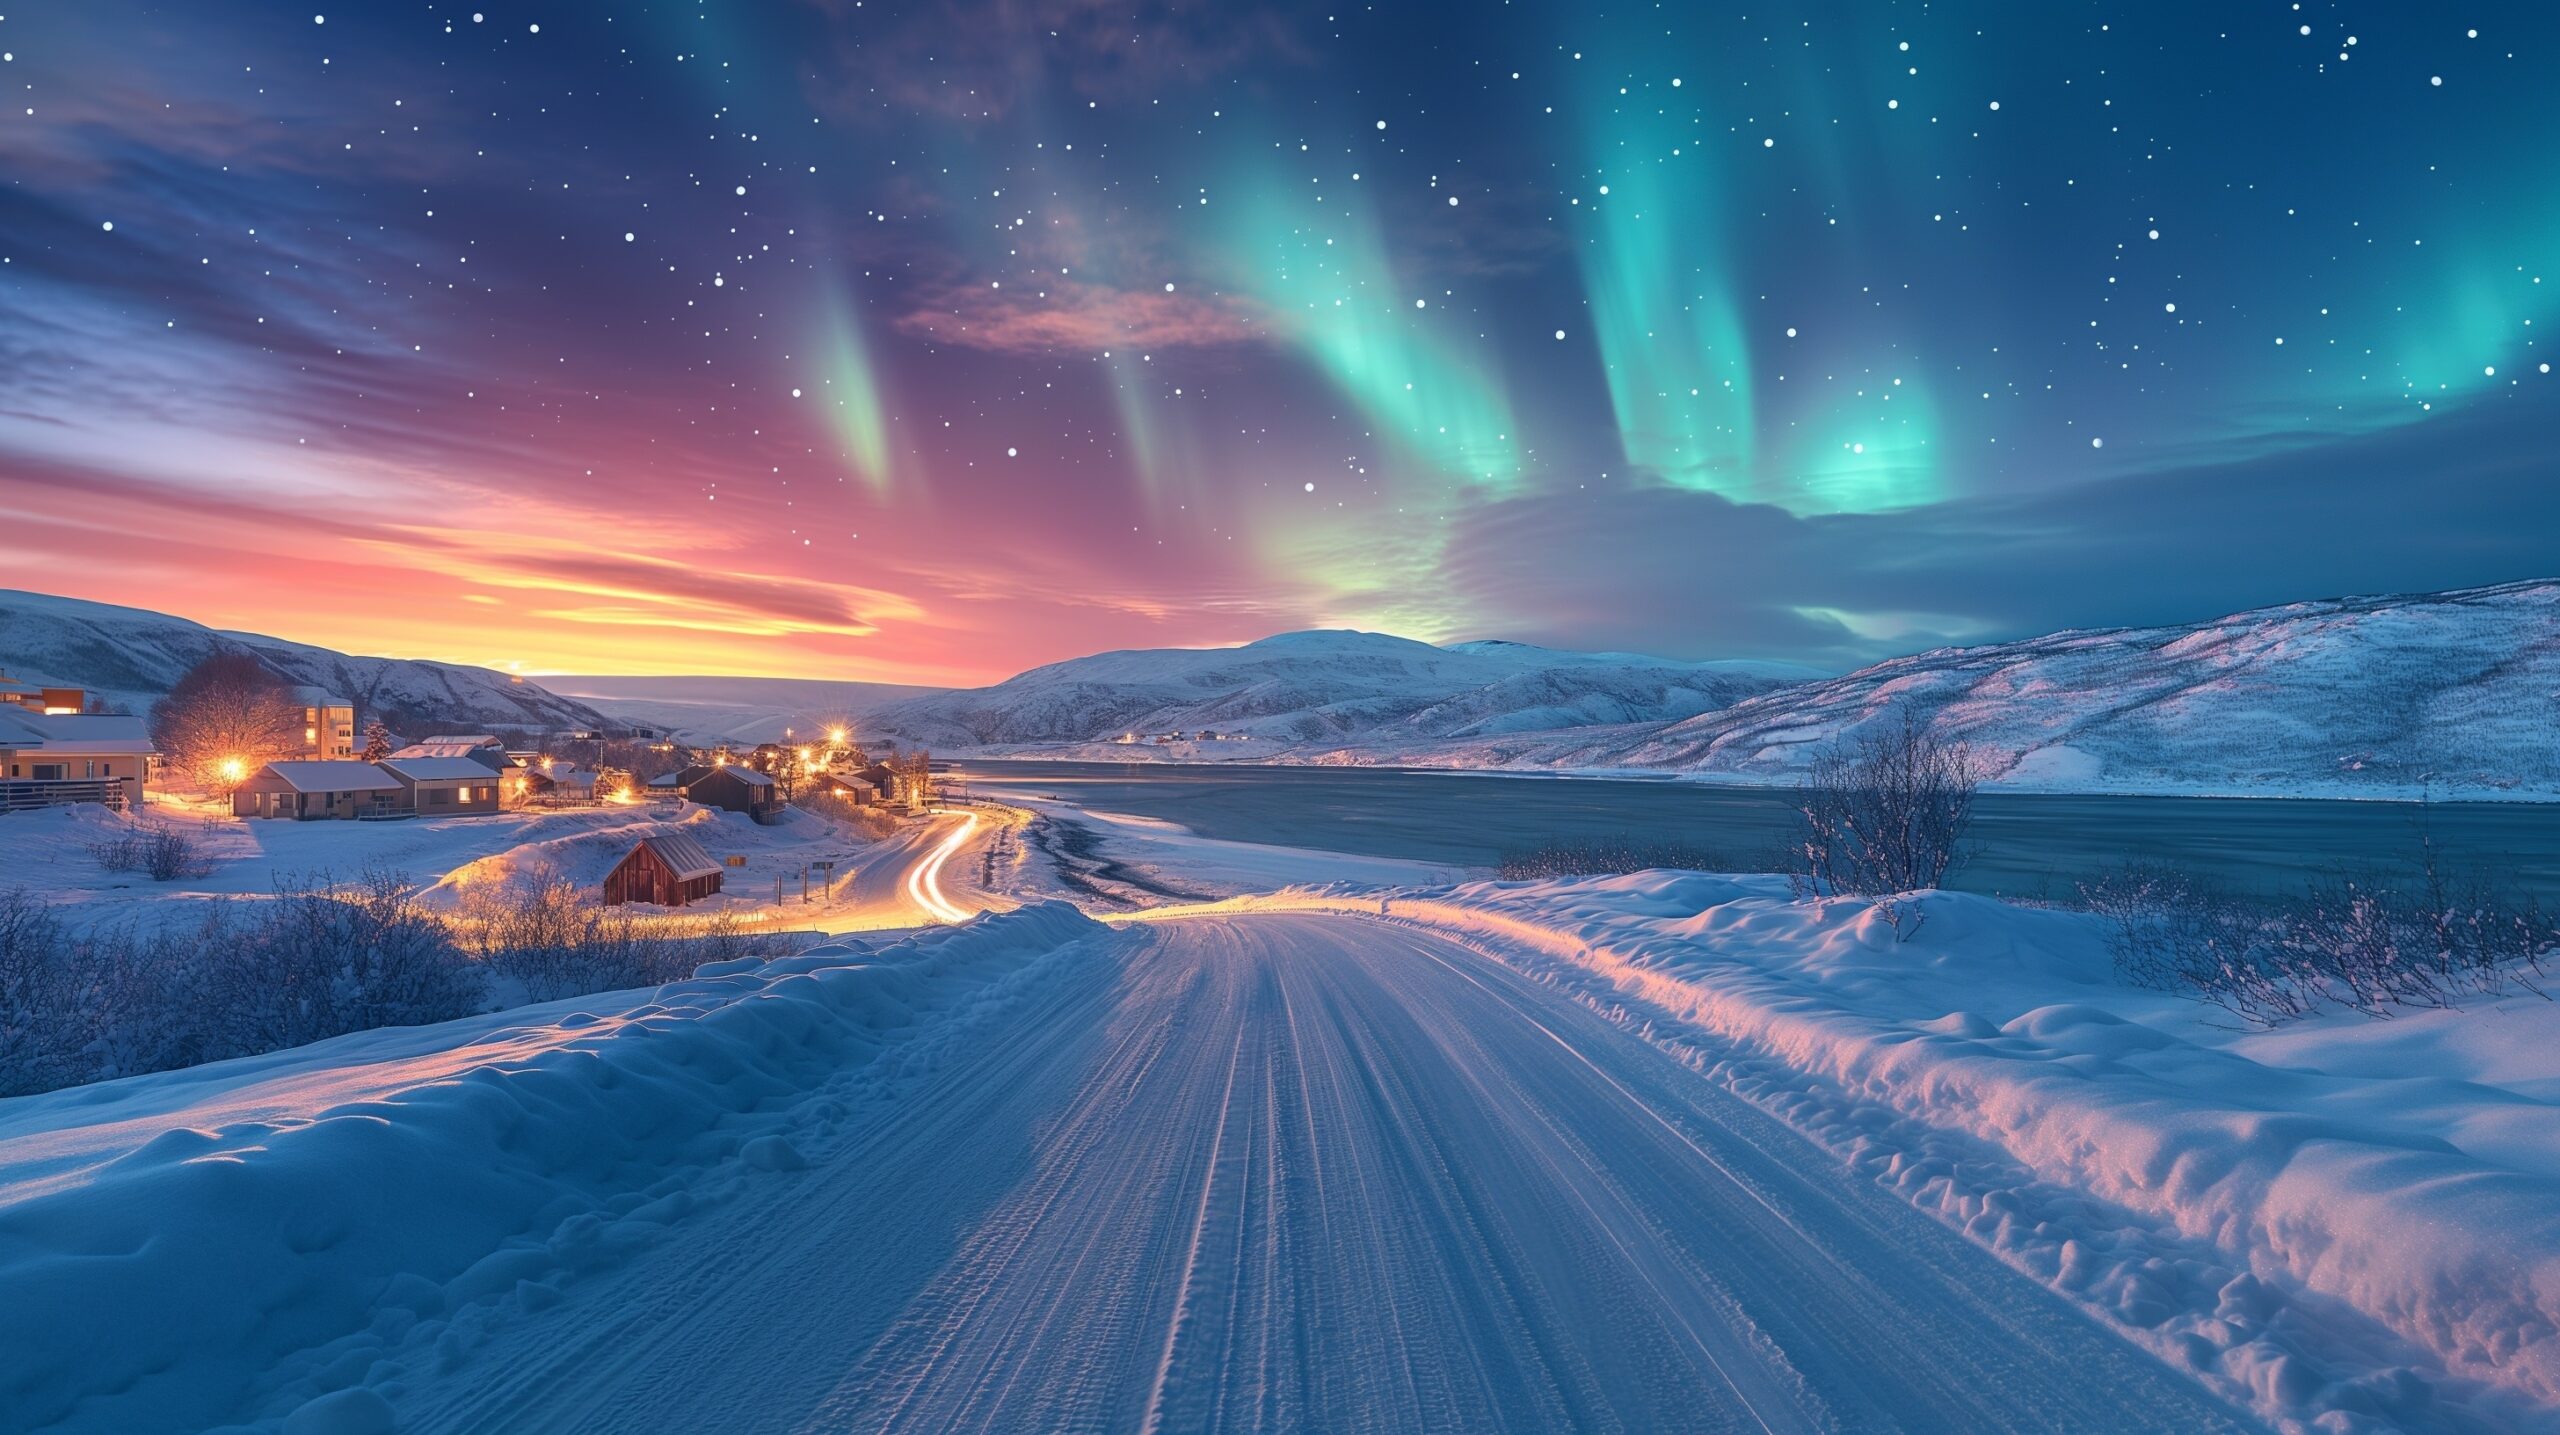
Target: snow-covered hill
point(130, 656)
point(1328, 689)
point(2456, 693)
point(726, 709)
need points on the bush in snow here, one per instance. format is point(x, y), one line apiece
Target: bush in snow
point(2362, 944)
point(540, 933)
point(1885, 814)
point(165, 853)
point(247, 976)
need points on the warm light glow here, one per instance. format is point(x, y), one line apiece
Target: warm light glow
point(837, 735)
point(232, 769)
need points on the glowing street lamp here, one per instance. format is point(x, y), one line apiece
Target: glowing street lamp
point(233, 770)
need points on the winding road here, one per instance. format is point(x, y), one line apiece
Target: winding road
point(1308, 1172)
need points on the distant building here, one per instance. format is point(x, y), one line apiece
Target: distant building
point(444, 786)
point(48, 759)
point(478, 747)
point(737, 789)
point(561, 783)
point(859, 791)
point(306, 790)
point(328, 724)
point(35, 697)
point(669, 869)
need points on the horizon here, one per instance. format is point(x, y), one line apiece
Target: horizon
point(948, 349)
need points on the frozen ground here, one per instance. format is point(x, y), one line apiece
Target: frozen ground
point(50, 853)
point(1665, 1151)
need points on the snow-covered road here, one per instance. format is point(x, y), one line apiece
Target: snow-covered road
point(1307, 1172)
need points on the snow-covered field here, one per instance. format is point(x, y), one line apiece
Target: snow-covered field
point(50, 853)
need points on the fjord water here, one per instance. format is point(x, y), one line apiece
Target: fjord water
point(2023, 844)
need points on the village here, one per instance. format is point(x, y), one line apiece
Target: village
point(243, 749)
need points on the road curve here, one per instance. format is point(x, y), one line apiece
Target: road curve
point(924, 879)
point(1314, 1172)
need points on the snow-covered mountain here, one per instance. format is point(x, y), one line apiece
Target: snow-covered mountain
point(1327, 689)
point(723, 709)
point(2456, 693)
point(130, 656)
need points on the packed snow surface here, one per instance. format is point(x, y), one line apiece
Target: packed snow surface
point(1661, 1151)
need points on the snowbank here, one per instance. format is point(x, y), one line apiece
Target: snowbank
point(2407, 1171)
point(227, 1241)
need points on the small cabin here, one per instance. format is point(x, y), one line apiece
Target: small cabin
point(444, 786)
point(314, 790)
point(667, 870)
point(859, 791)
point(737, 789)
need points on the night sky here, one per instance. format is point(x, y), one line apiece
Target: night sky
point(926, 342)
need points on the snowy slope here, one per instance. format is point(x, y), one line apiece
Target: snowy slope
point(131, 656)
point(2458, 692)
point(1327, 688)
point(724, 709)
point(2346, 1224)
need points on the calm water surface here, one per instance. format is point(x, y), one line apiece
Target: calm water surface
point(2024, 845)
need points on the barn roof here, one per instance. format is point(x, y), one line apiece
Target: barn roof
point(438, 769)
point(320, 775)
point(442, 747)
point(688, 858)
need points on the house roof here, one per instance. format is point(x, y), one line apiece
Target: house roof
point(681, 851)
point(838, 779)
point(467, 739)
point(438, 769)
point(73, 732)
point(747, 775)
point(667, 779)
point(341, 775)
point(444, 747)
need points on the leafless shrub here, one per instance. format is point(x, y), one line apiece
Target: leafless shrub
point(543, 934)
point(2362, 944)
point(165, 853)
point(1885, 814)
point(866, 822)
point(247, 976)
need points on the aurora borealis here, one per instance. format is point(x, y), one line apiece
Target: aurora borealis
point(925, 342)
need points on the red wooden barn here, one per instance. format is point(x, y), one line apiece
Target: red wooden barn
point(669, 870)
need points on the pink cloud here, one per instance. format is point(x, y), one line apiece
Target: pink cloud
point(1084, 318)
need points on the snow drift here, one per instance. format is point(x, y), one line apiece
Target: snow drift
point(2402, 1176)
point(291, 1222)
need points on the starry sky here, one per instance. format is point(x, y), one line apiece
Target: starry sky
point(925, 342)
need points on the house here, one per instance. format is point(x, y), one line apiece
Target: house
point(670, 869)
point(444, 786)
point(861, 792)
point(36, 697)
point(478, 747)
point(305, 790)
point(900, 786)
point(328, 724)
point(48, 759)
point(561, 783)
point(737, 789)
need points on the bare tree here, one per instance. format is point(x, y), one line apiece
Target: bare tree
point(225, 718)
point(1885, 814)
